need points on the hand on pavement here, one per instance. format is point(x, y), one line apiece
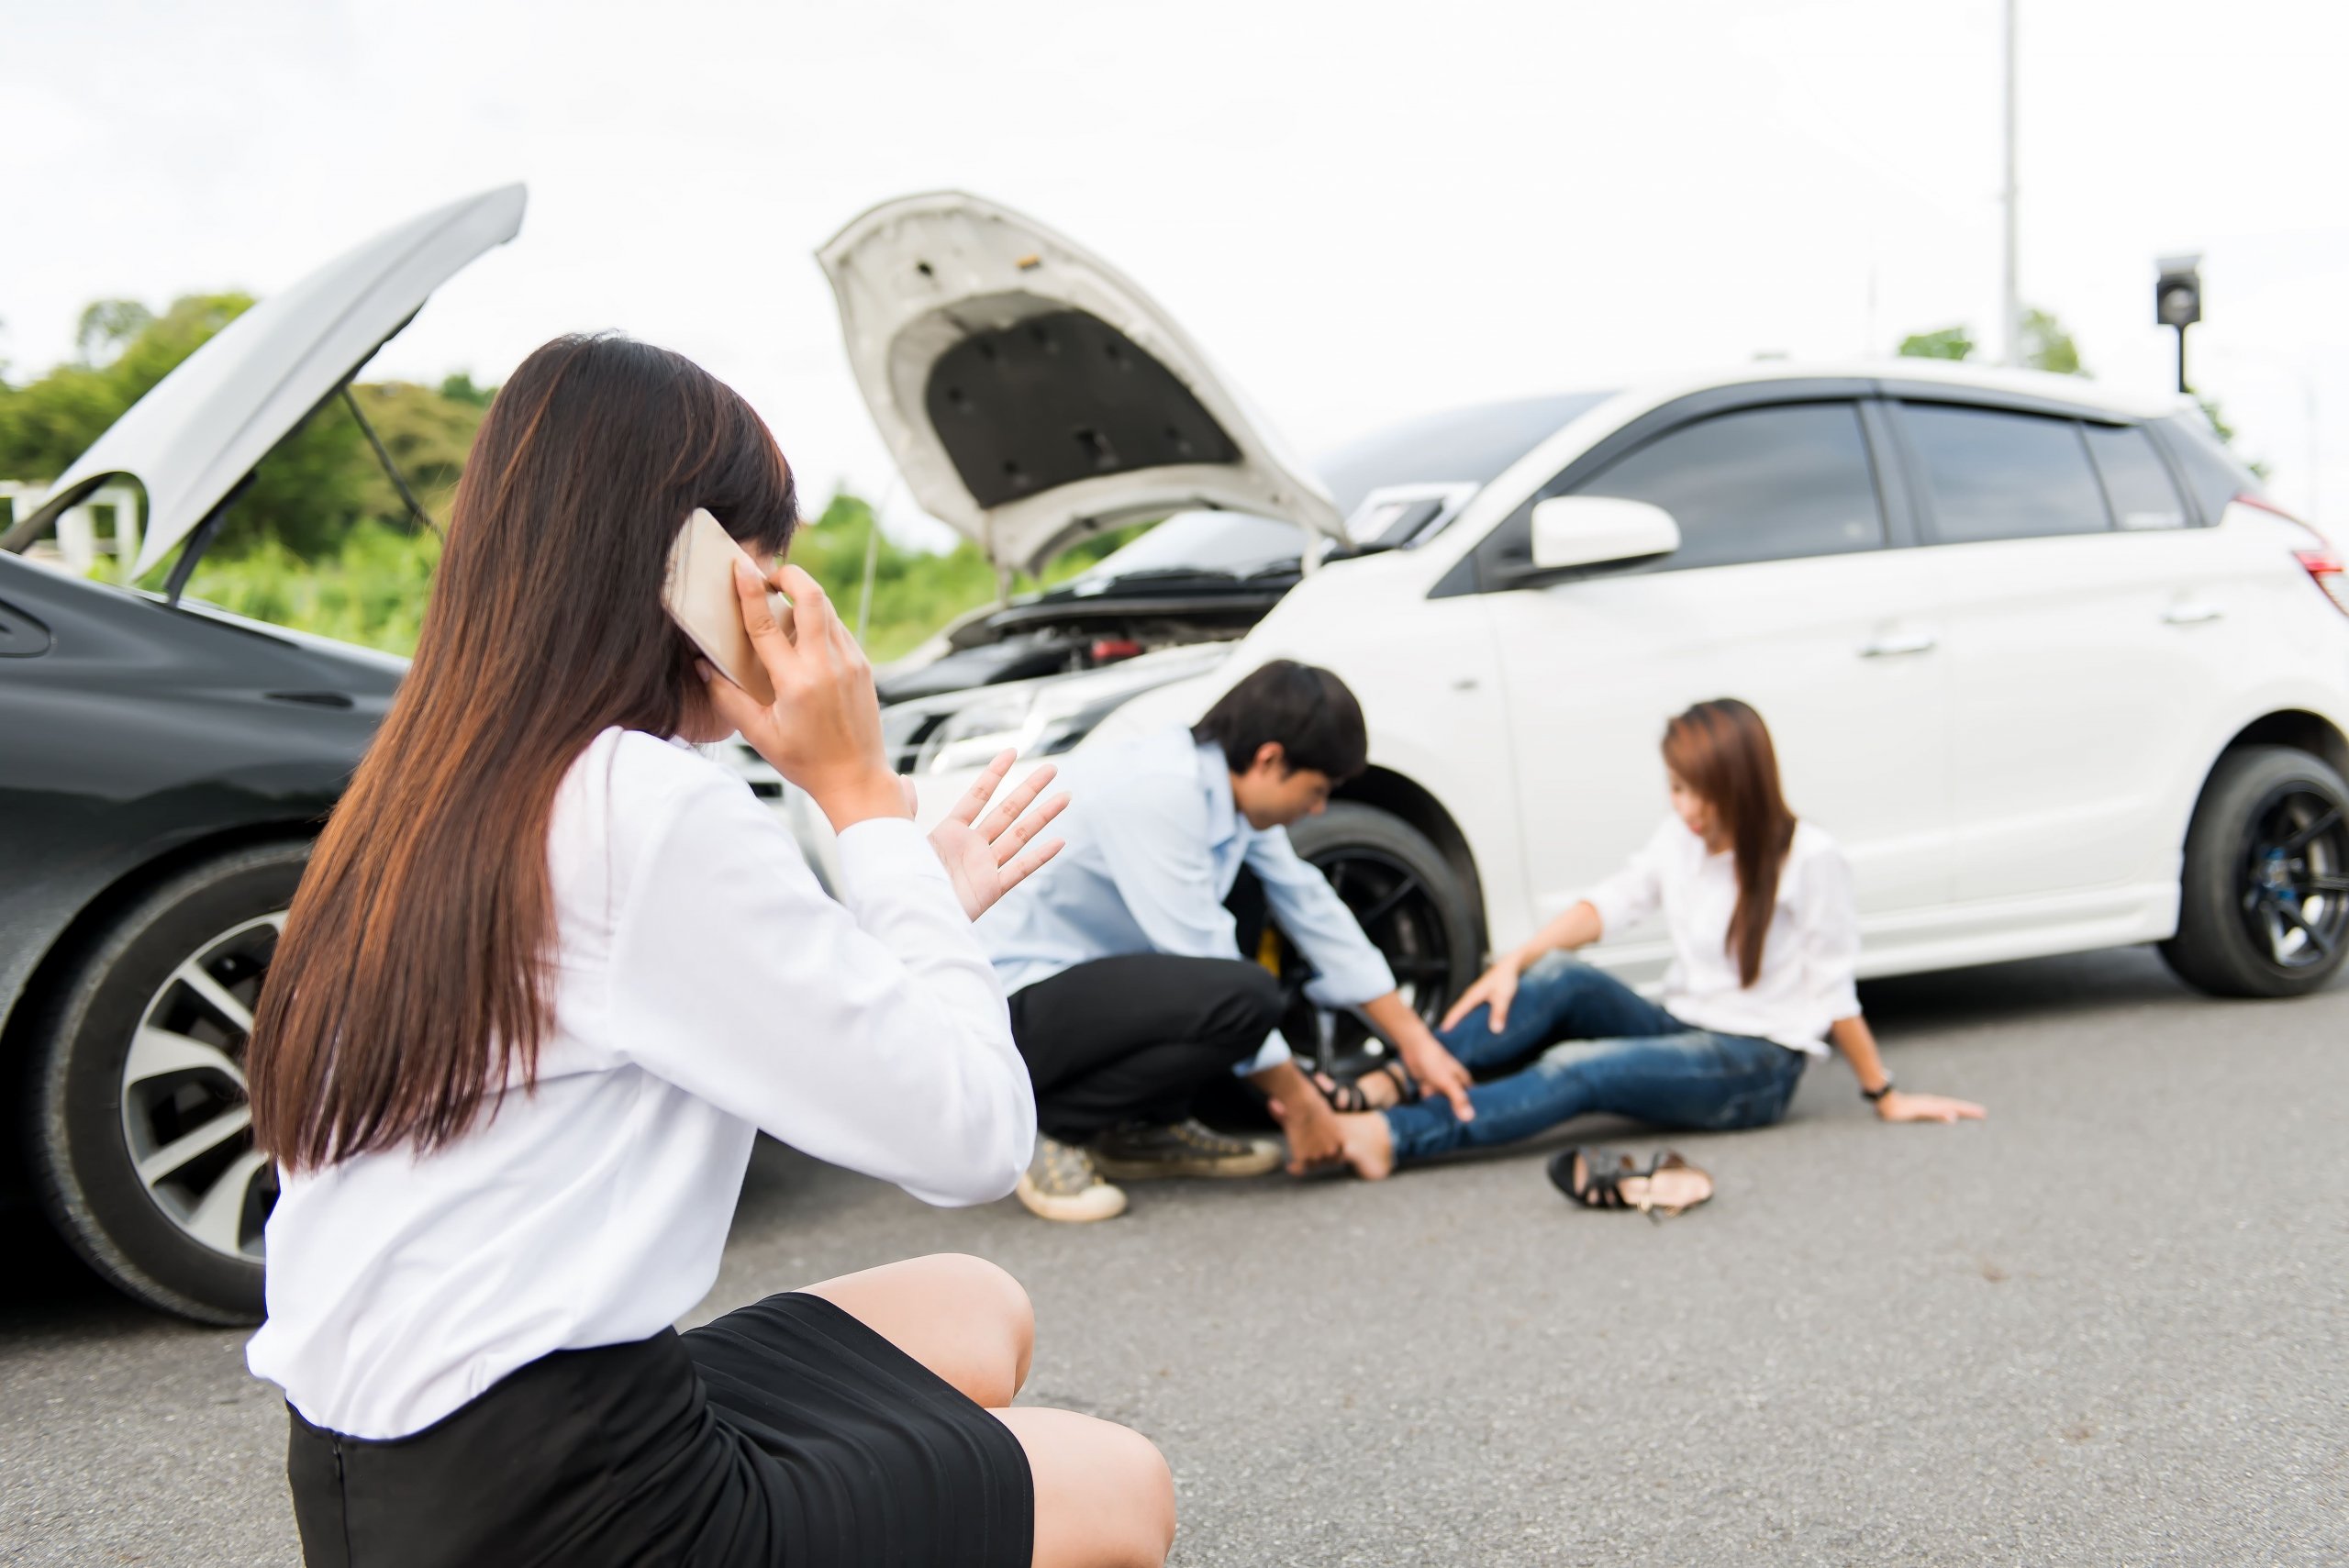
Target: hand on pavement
point(1897, 1107)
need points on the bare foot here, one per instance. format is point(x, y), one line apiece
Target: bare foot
point(1367, 1145)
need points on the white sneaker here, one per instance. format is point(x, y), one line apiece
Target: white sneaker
point(1061, 1184)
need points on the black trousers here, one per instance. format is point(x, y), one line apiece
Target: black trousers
point(1137, 1038)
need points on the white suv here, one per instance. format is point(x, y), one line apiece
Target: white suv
point(2034, 651)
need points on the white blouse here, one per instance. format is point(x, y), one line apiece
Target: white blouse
point(704, 990)
point(1805, 984)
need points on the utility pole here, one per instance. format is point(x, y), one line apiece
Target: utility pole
point(2009, 296)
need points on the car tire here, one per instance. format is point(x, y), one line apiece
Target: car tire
point(141, 1142)
point(2263, 895)
point(1412, 903)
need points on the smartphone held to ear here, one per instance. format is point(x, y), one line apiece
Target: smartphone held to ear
point(699, 594)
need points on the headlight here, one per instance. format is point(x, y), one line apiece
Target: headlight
point(971, 736)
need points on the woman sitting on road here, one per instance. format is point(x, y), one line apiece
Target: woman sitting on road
point(1764, 935)
point(549, 973)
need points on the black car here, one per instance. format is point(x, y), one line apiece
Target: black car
point(163, 767)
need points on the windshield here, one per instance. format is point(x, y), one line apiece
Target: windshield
point(1223, 543)
point(1461, 447)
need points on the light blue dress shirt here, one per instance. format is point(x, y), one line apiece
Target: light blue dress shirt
point(1154, 843)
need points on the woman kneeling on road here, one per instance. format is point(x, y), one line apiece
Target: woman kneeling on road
point(549, 973)
point(1764, 932)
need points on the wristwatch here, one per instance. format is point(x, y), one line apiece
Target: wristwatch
point(1877, 1094)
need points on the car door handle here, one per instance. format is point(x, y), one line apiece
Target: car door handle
point(1892, 644)
point(2191, 613)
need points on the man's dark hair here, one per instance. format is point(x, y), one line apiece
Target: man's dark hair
point(1306, 711)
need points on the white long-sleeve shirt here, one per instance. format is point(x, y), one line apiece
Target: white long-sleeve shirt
point(1805, 983)
point(705, 989)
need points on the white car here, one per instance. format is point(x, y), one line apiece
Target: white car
point(2033, 650)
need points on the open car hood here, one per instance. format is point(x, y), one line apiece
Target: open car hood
point(196, 434)
point(1033, 394)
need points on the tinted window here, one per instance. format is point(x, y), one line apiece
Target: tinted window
point(1997, 476)
point(2136, 481)
point(1758, 484)
point(2214, 474)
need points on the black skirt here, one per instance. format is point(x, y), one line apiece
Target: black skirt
point(785, 1433)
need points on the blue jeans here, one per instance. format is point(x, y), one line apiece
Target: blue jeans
point(1588, 1042)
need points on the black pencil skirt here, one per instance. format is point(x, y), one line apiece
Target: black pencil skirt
point(785, 1433)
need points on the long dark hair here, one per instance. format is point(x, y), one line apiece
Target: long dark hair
point(411, 976)
point(1721, 750)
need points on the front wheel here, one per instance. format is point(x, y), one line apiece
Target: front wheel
point(142, 1139)
point(1409, 901)
point(2263, 898)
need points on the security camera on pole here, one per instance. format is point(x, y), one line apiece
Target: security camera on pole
point(2177, 301)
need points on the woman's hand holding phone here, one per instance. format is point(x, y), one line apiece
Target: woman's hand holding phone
point(823, 731)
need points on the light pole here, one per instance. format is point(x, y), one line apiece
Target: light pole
point(2010, 290)
point(2177, 301)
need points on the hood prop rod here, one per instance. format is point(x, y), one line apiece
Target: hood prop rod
point(200, 540)
point(391, 469)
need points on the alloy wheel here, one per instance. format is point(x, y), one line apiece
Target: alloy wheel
point(1400, 915)
point(186, 1123)
point(2295, 877)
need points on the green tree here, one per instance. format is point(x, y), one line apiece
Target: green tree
point(107, 326)
point(1949, 343)
point(458, 387)
point(2046, 346)
point(310, 491)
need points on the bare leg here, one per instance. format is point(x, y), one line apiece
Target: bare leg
point(962, 1316)
point(1104, 1496)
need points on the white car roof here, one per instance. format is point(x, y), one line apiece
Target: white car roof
point(2072, 389)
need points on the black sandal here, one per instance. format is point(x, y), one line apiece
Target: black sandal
point(1607, 1178)
point(1348, 1099)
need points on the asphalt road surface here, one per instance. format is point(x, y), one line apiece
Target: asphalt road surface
point(2108, 1326)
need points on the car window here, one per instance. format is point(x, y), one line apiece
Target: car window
point(1993, 474)
point(2214, 475)
point(2136, 481)
point(1756, 485)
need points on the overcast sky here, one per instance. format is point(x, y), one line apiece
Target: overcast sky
point(1364, 211)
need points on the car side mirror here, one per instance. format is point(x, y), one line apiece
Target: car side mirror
point(1595, 530)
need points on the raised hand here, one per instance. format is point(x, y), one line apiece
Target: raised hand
point(985, 860)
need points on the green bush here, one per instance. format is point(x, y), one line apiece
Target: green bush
point(370, 590)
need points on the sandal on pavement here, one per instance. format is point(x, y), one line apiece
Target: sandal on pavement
point(1607, 1178)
